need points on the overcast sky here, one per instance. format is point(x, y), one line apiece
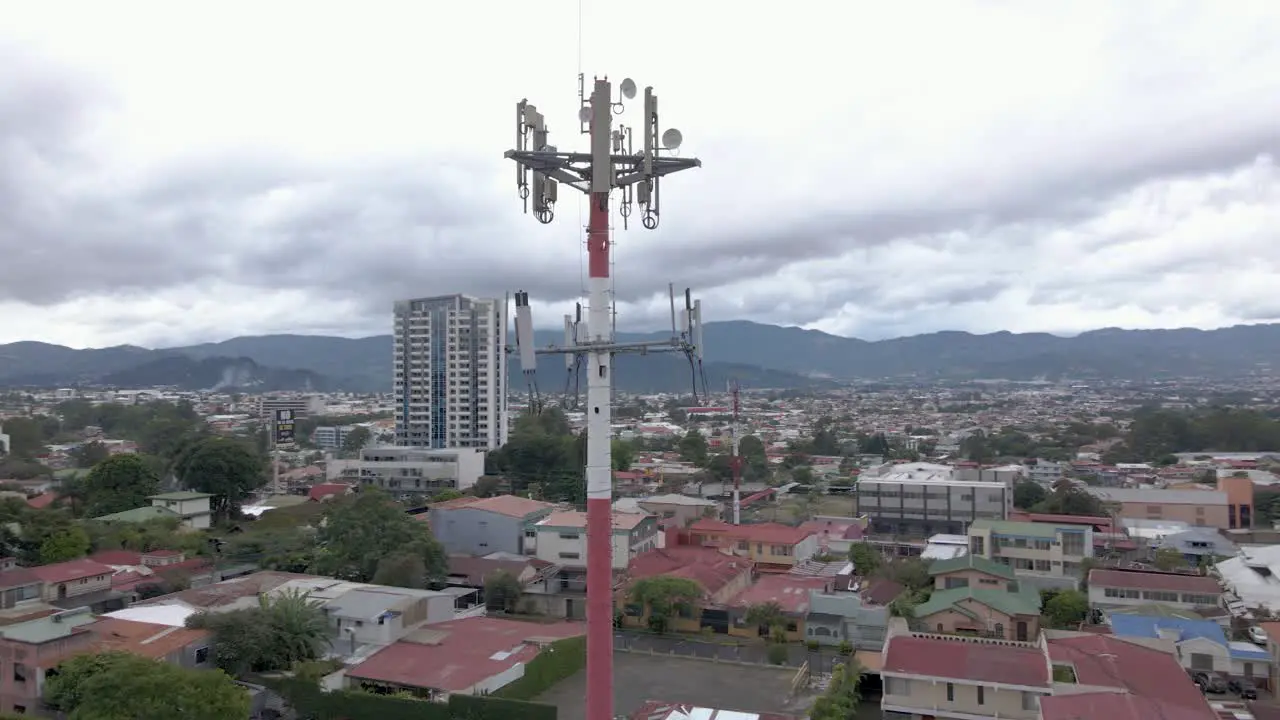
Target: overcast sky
point(870, 169)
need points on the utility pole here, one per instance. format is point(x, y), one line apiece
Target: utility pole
point(611, 164)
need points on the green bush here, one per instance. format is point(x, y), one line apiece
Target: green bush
point(480, 707)
point(812, 645)
point(846, 648)
point(554, 664)
point(777, 654)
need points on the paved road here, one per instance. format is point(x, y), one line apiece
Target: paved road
point(747, 651)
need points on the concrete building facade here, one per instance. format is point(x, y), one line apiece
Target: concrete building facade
point(450, 370)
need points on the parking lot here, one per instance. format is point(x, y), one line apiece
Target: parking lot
point(640, 677)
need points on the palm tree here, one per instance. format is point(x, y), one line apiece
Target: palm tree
point(299, 629)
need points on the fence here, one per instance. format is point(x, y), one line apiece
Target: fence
point(801, 679)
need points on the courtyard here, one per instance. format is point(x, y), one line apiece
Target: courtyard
point(639, 677)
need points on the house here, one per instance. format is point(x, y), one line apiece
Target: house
point(18, 585)
point(1049, 555)
point(480, 526)
point(561, 540)
point(180, 646)
point(139, 515)
point(1063, 676)
point(471, 572)
point(1101, 676)
point(31, 649)
point(192, 507)
point(771, 546)
point(836, 534)
point(838, 618)
point(722, 576)
point(78, 583)
point(975, 595)
point(960, 677)
point(1201, 645)
point(378, 615)
point(672, 510)
point(1116, 588)
point(1199, 546)
point(472, 656)
point(791, 595)
point(324, 492)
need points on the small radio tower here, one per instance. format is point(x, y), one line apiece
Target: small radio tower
point(612, 164)
point(735, 457)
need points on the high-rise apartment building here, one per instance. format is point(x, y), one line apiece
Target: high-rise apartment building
point(450, 372)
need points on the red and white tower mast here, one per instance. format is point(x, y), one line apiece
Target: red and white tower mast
point(610, 165)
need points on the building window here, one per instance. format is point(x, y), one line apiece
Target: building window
point(1030, 701)
point(19, 673)
point(569, 556)
point(1201, 661)
point(202, 655)
point(999, 629)
point(982, 695)
point(951, 692)
point(897, 686)
point(977, 546)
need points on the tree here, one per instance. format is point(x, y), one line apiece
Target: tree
point(865, 558)
point(1067, 609)
point(282, 631)
point(1027, 494)
point(67, 544)
point(1167, 558)
point(502, 592)
point(402, 570)
point(360, 530)
point(119, 686)
point(90, 454)
point(355, 441)
point(26, 437)
point(840, 701)
point(661, 595)
point(768, 615)
point(224, 468)
point(802, 475)
point(693, 448)
point(910, 573)
point(119, 483)
point(1072, 501)
point(623, 454)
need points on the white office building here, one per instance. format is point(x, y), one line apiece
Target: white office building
point(403, 470)
point(450, 372)
point(923, 499)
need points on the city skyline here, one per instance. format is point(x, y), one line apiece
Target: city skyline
point(1069, 169)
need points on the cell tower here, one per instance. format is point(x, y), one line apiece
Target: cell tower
point(735, 457)
point(611, 164)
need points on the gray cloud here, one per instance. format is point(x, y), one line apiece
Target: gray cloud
point(369, 232)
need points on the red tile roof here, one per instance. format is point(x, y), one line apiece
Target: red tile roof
point(471, 651)
point(1172, 582)
point(1112, 662)
point(17, 577)
point(708, 567)
point(967, 659)
point(1115, 706)
point(790, 592)
point(509, 505)
point(324, 491)
point(758, 532)
point(142, 638)
point(71, 570)
point(43, 500)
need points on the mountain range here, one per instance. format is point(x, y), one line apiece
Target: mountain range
point(756, 355)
